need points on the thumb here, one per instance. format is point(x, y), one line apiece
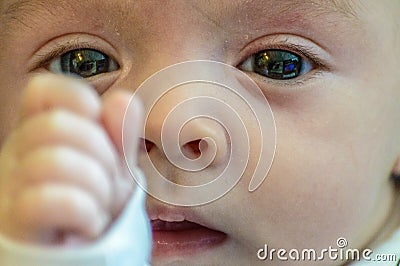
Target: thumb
point(118, 108)
point(122, 119)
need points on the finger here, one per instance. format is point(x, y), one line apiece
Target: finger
point(51, 207)
point(113, 113)
point(63, 128)
point(116, 108)
point(47, 91)
point(64, 165)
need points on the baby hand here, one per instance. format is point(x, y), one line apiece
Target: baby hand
point(62, 179)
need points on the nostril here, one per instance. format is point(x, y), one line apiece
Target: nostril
point(146, 145)
point(193, 149)
point(149, 145)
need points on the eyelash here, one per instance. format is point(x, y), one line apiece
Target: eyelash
point(317, 63)
point(44, 60)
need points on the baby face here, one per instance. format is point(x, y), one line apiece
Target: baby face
point(335, 107)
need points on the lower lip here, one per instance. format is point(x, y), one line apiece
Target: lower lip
point(185, 242)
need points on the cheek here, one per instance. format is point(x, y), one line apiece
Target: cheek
point(329, 179)
point(14, 76)
point(315, 201)
point(10, 94)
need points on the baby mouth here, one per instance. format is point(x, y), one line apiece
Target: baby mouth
point(180, 238)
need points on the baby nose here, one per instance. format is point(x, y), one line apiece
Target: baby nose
point(193, 146)
point(201, 114)
point(203, 142)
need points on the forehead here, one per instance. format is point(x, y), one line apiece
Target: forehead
point(345, 8)
point(326, 21)
point(230, 16)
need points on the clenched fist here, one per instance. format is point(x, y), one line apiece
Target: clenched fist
point(62, 173)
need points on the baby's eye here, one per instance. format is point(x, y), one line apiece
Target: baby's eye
point(83, 62)
point(276, 64)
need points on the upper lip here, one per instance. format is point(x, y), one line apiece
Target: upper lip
point(157, 211)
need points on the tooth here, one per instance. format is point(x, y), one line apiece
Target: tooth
point(171, 217)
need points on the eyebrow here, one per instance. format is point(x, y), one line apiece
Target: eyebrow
point(22, 6)
point(20, 11)
point(346, 8)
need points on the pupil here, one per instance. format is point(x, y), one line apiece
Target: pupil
point(86, 63)
point(277, 64)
